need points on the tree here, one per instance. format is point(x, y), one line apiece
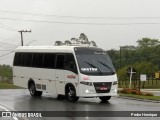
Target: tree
point(115, 56)
point(6, 71)
point(92, 43)
point(58, 43)
point(67, 42)
point(147, 42)
point(83, 39)
point(145, 58)
point(144, 67)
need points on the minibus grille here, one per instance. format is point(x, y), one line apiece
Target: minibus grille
point(102, 87)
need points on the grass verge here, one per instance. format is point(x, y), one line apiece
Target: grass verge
point(8, 86)
point(157, 98)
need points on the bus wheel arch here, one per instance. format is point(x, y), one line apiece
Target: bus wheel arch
point(32, 88)
point(70, 92)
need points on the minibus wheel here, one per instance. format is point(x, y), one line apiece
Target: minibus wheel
point(32, 90)
point(71, 93)
point(60, 97)
point(105, 98)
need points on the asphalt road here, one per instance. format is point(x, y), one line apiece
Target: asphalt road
point(20, 100)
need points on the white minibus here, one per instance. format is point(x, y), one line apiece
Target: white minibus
point(71, 71)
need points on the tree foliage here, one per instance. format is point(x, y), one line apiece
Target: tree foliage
point(6, 71)
point(147, 42)
point(145, 57)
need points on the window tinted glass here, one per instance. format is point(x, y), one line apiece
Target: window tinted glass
point(37, 60)
point(49, 60)
point(18, 59)
point(94, 61)
point(60, 62)
point(70, 63)
point(27, 59)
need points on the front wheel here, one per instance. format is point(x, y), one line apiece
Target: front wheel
point(71, 93)
point(32, 90)
point(105, 98)
point(60, 97)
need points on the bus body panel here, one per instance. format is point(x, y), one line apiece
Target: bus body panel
point(45, 77)
point(55, 80)
point(62, 78)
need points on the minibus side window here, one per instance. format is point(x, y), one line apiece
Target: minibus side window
point(18, 59)
point(37, 60)
point(70, 63)
point(60, 62)
point(27, 59)
point(49, 60)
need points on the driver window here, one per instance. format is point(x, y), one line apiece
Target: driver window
point(70, 63)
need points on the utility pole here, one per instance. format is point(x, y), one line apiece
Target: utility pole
point(21, 32)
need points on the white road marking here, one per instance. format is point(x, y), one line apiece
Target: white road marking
point(15, 118)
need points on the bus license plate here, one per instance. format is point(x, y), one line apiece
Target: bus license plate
point(103, 88)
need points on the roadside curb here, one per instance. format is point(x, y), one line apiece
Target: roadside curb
point(144, 100)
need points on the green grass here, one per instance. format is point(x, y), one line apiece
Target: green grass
point(157, 98)
point(8, 86)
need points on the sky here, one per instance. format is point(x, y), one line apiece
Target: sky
point(110, 23)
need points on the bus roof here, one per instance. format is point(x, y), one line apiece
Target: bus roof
point(67, 49)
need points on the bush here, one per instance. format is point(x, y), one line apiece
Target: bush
point(125, 90)
point(147, 94)
point(134, 92)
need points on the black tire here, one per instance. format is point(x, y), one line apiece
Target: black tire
point(39, 93)
point(105, 98)
point(71, 93)
point(32, 90)
point(60, 97)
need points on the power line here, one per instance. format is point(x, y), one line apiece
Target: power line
point(6, 58)
point(40, 21)
point(6, 27)
point(11, 51)
point(2, 55)
point(79, 17)
point(9, 27)
point(6, 53)
point(6, 44)
point(5, 50)
point(8, 37)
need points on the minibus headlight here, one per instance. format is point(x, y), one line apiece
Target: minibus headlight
point(115, 83)
point(86, 83)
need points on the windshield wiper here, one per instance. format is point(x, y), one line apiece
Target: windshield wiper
point(107, 66)
point(94, 67)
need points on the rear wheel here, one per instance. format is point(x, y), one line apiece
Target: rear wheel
point(105, 98)
point(71, 93)
point(32, 90)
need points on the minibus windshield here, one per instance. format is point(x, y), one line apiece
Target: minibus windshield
point(94, 61)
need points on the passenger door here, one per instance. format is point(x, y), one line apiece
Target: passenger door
point(60, 80)
point(49, 63)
